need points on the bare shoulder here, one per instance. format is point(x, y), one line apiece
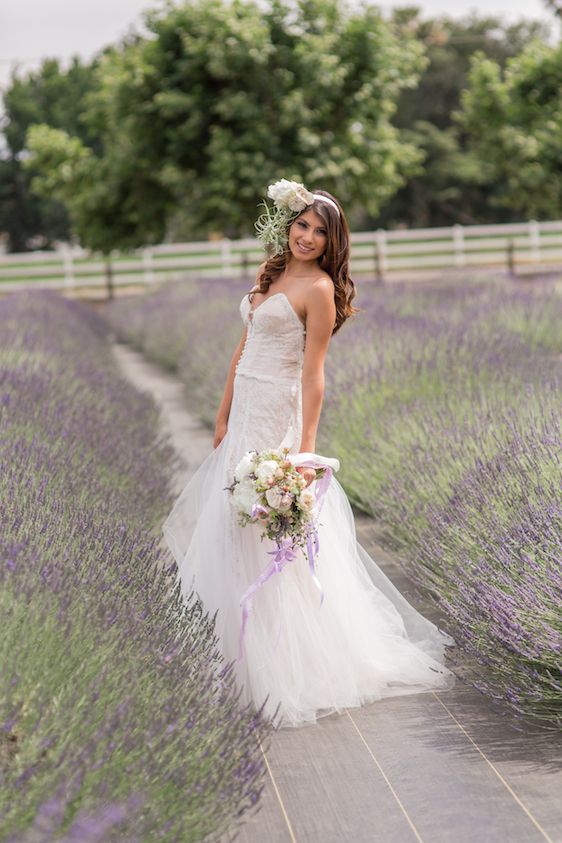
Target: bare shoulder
point(320, 294)
point(321, 311)
point(324, 283)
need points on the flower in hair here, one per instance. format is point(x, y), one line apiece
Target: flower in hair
point(290, 194)
point(289, 199)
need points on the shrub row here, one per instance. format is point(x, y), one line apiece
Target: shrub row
point(118, 718)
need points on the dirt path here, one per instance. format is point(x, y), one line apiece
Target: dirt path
point(431, 767)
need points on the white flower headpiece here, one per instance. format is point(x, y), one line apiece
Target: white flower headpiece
point(289, 199)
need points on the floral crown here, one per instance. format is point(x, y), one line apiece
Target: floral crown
point(289, 199)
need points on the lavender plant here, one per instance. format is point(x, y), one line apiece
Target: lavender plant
point(454, 392)
point(118, 718)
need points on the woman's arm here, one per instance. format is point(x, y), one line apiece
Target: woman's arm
point(320, 321)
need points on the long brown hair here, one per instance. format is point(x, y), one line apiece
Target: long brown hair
point(334, 261)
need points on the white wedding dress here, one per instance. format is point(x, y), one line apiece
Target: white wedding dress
point(306, 660)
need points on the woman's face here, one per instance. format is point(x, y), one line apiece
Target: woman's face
point(308, 236)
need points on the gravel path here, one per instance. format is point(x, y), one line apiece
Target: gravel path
point(430, 767)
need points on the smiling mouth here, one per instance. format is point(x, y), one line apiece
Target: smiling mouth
point(304, 249)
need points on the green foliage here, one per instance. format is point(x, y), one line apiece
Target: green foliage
point(224, 98)
point(513, 118)
point(454, 185)
point(48, 95)
point(450, 44)
point(190, 122)
point(110, 204)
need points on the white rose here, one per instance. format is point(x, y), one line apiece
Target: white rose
point(266, 470)
point(274, 496)
point(244, 496)
point(244, 467)
point(278, 190)
point(290, 194)
point(306, 500)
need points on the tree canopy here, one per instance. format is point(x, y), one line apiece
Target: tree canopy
point(224, 98)
point(513, 119)
point(56, 97)
point(177, 132)
point(452, 186)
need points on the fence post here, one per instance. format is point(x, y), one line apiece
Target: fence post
point(458, 245)
point(535, 239)
point(511, 257)
point(380, 255)
point(148, 266)
point(226, 257)
point(68, 265)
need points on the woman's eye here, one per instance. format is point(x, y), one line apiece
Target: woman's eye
point(320, 230)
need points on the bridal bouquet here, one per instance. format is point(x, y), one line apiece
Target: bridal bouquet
point(268, 490)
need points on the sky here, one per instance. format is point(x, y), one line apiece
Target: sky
point(33, 29)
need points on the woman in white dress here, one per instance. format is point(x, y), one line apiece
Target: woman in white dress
point(302, 658)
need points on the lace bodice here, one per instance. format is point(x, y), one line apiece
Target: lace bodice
point(274, 347)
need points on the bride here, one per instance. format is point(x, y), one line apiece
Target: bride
point(303, 658)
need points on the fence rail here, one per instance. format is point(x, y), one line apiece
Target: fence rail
point(379, 253)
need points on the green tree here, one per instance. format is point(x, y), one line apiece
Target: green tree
point(513, 120)
point(222, 98)
point(450, 44)
point(452, 186)
point(48, 95)
point(110, 204)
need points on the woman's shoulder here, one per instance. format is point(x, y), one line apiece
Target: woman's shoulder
point(325, 280)
point(323, 285)
point(320, 297)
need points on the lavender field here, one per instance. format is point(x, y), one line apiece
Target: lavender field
point(443, 404)
point(118, 718)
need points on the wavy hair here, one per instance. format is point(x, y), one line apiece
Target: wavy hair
point(334, 261)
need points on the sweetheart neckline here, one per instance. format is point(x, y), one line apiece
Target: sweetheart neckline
point(252, 310)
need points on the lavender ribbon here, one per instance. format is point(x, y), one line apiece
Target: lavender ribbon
point(285, 553)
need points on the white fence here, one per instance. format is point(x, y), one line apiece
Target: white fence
point(379, 254)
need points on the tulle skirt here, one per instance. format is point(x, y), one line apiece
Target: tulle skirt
point(302, 659)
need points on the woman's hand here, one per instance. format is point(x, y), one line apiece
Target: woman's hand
point(308, 473)
point(220, 432)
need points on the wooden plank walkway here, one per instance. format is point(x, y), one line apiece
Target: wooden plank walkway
point(431, 767)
